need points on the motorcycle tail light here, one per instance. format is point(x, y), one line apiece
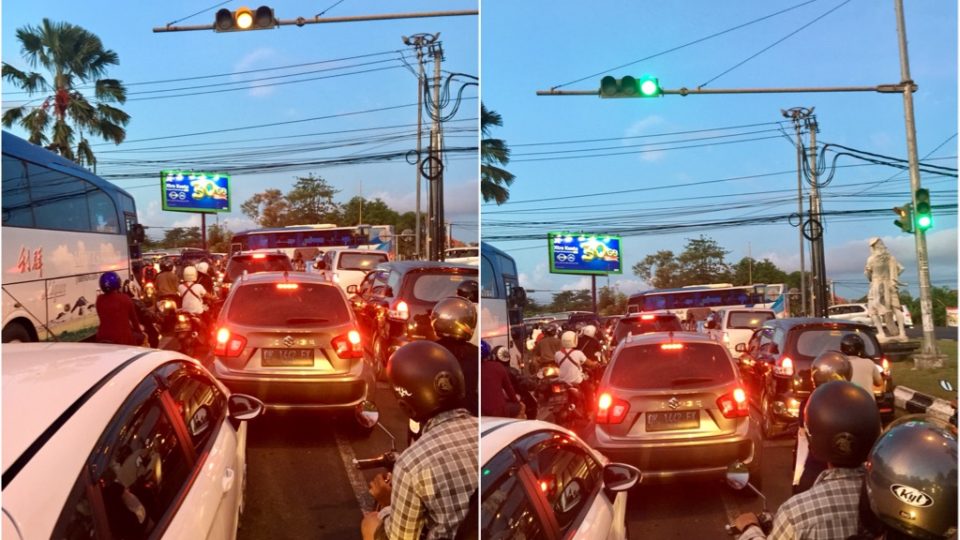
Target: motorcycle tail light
point(229, 345)
point(399, 311)
point(784, 366)
point(611, 410)
point(734, 404)
point(885, 364)
point(348, 345)
point(556, 388)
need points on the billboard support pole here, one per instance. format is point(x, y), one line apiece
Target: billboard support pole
point(593, 292)
point(203, 230)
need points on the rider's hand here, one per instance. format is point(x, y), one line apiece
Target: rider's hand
point(746, 520)
point(381, 489)
point(368, 527)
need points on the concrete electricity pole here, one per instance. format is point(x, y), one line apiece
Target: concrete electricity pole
point(435, 162)
point(418, 41)
point(797, 114)
point(816, 227)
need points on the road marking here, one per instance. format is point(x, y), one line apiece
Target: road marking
point(357, 481)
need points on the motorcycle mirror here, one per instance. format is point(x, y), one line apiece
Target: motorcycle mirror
point(737, 475)
point(501, 353)
point(367, 414)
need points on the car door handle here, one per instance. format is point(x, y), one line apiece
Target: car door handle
point(228, 477)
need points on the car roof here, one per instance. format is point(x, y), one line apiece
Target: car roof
point(648, 313)
point(497, 433)
point(277, 277)
point(407, 266)
point(795, 322)
point(258, 252)
point(662, 337)
point(43, 380)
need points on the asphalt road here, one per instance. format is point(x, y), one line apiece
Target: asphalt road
point(299, 477)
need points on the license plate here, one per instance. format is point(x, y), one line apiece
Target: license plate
point(665, 421)
point(287, 357)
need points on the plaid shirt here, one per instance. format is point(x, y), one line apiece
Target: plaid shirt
point(828, 511)
point(433, 480)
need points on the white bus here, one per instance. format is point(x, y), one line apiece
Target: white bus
point(62, 228)
point(312, 240)
point(501, 303)
point(678, 301)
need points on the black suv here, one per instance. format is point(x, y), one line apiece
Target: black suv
point(394, 301)
point(253, 262)
point(775, 365)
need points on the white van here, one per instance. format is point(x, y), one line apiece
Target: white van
point(733, 325)
point(346, 267)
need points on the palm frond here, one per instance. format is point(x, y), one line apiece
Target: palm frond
point(36, 122)
point(85, 153)
point(12, 115)
point(492, 192)
point(110, 131)
point(112, 114)
point(111, 90)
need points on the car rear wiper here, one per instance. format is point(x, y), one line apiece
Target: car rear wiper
point(306, 320)
point(690, 380)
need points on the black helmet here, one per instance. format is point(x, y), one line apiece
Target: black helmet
point(166, 265)
point(842, 423)
point(455, 318)
point(830, 366)
point(426, 379)
point(110, 281)
point(911, 481)
point(470, 290)
point(852, 344)
point(553, 329)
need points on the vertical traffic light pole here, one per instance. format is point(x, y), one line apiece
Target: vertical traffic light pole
point(930, 354)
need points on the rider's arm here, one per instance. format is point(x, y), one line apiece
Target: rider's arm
point(407, 516)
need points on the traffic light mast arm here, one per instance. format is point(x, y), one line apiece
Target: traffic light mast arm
point(882, 88)
point(300, 21)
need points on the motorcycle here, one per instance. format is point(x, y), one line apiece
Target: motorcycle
point(738, 478)
point(560, 403)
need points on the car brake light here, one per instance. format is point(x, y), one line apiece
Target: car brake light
point(348, 345)
point(259, 256)
point(647, 317)
point(671, 346)
point(228, 344)
point(734, 404)
point(784, 366)
point(399, 311)
point(287, 286)
point(611, 410)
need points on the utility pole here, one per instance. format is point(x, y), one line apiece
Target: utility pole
point(797, 114)
point(816, 227)
point(930, 356)
point(418, 41)
point(435, 162)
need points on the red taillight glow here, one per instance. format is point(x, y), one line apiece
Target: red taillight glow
point(647, 317)
point(287, 286)
point(611, 410)
point(259, 256)
point(734, 404)
point(544, 486)
point(671, 346)
point(399, 311)
point(784, 366)
point(229, 345)
point(885, 364)
point(348, 345)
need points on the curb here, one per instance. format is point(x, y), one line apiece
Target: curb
point(918, 403)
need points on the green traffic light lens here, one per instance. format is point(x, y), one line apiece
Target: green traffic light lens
point(649, 88)
point(924, 222)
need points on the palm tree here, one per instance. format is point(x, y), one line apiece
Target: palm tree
point(74, 59)
point(493, 152)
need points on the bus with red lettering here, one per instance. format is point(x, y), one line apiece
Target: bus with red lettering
point(63, 227)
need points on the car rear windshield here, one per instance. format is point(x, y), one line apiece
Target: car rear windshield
point(270, 263)
point(747, 319)
point(434, 287)
point(360, 261)
point(637, 326)
point(648, 367)
point(266, 304)
point(813, 341)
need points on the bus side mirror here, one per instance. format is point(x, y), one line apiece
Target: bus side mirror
point(137, 234)
point(519, 297)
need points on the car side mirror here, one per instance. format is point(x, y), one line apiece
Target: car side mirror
point(388, 291)
point(351, 289)
point(620, 477)
point(740, 347)
point(243, 407)
point(320, 265)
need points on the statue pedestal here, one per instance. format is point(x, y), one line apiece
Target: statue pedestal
point(928, 361)
point(896, 350)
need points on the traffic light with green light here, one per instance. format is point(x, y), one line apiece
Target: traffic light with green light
point(924, 218)
point(630, 87)
point(906, 217)
point(244, 18)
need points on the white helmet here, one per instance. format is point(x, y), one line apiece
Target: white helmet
point(203, 267)
point(190, 274)
point(568, 340)
point(589, 330)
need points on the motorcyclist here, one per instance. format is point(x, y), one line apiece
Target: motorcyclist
point(118, 316)
point(203, 276)
point(866, 374)
point(911, 483)
point(434, 478)
point(545, 350)
point(167, 281)
point(454, 320)
point(589, 344)
point(828, 366)
point(572, 363)
point(842, 423)
point(498, 394)
point(470, 290)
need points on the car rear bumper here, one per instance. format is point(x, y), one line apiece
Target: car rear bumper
point(295, 392)
point(680, 459)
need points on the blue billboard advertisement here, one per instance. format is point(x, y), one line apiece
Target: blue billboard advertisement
point(194, 191)
point(579, 253)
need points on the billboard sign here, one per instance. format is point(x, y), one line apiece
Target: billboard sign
point(578, 253)
point(195, 191)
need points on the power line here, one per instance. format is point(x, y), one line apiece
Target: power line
point(171, 23)
point(686, 132)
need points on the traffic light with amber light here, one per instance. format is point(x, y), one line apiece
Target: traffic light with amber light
point(245, 19)
point(924, 218)
point(906, 217)
point(630, 87)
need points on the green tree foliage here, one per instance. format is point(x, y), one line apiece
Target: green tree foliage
point(610, 301)
point(269, 208)
point(374, 212)
point(218, 239)
point(179, 237)
point(749, 271)
point(532, 307)
point(494, 153)
point(700, 262)
point(311, 201)
point(941, 298)
point(72, 57)
point(661, 270)
point(579, 300)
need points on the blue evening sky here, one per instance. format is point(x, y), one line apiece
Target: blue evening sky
point(536, 45)
point(147, 57)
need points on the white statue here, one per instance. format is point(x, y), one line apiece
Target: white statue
point(883, 300)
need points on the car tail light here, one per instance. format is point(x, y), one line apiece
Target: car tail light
point(784, 366)
point(348, 345)
point(734, 404)
point(259, 256)
point(726, 337)
point(287, 286)
point(399, 311)
point(671, 346)
point(228, 344)
point(611, 410)
point(647, 317)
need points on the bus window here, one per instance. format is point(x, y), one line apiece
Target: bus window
point(16, 194)
point(488, 281)
point(103, 214)
point(60, 201)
